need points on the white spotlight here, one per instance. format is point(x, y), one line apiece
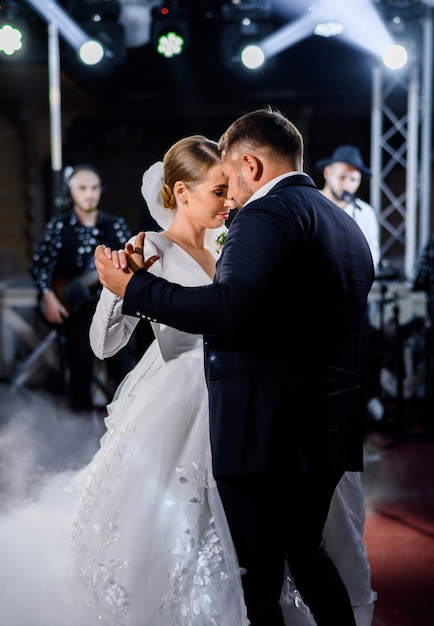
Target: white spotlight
point(328, 29)
point(395, 57)
point(252, 57)
point(91, 52)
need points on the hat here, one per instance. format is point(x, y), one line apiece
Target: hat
point(346, 154)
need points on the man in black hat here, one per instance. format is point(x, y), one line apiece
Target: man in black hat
point(343, 174)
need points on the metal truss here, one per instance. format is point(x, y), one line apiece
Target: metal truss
point(401, 125)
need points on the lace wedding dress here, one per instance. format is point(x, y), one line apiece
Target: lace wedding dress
point(150, 542)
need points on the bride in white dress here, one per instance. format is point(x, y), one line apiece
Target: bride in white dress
point(150, 543)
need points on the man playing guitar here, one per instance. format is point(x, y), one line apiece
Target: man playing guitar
point(64, 273)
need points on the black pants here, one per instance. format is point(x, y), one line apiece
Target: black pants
point(80, 360)
point(272, 519)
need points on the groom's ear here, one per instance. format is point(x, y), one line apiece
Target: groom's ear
point(253, 166)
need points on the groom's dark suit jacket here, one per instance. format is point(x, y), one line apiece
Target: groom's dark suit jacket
point(282, 325)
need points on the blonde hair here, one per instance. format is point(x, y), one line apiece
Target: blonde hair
point(188, 160)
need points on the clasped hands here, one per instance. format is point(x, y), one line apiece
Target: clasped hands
point(116, 267)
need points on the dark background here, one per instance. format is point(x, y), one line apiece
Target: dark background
point(124, 116)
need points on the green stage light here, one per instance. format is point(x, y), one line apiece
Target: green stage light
point(170, 44)
point(169, 30)
point(11, 39)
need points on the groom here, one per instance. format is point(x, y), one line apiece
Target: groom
point(284, 412)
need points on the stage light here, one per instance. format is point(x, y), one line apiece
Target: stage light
point(91, 52)
point(106, 42)
point(170, 44)
point(328, 29)
point(406, 48)
point(169, 29)
point(252, 57)
point(242, 44)
point(395, 57)
point(23, 35)
point(11, 30)
point(90, 29)
point(99, 19)
point(11, 39)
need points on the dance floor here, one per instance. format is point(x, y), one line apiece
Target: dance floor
point(399, 528)
point(37, 432)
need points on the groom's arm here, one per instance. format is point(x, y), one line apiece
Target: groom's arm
point(154, 298)
point(245, 275)
point(199, 310)
point(246, 272)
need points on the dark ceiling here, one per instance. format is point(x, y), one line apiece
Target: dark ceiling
point(317, 72)
point(124, 118)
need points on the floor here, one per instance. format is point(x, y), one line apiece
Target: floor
point(398, 483)
point(399, 529)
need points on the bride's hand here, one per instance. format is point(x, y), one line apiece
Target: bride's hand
point(116, 267)
point(132, 257)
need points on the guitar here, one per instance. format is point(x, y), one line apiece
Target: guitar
point(73, 293)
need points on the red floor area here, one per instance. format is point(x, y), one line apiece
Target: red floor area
point(399, 529)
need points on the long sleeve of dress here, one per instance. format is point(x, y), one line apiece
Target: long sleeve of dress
point(110, 329)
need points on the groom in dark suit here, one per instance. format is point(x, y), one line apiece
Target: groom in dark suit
point(284, 407)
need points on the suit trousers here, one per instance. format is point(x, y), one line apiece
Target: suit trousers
point(273, 518)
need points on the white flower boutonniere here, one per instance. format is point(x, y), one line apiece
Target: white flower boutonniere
point(220, 241)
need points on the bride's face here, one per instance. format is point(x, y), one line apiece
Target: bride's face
point(206, 203)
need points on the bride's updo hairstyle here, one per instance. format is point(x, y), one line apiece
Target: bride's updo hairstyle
point(188, 160)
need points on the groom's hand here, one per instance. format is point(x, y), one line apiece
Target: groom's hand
point(117, 267)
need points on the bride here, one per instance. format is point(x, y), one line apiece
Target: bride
point(150, 543)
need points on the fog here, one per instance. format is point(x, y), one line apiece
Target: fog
point(42, 445)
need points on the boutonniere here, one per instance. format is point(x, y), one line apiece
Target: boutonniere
point(220, 241)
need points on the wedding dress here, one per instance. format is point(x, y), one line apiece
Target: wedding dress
point(150, 543)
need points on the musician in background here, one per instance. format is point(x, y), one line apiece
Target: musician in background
point(343, 173)
point(64, 273)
